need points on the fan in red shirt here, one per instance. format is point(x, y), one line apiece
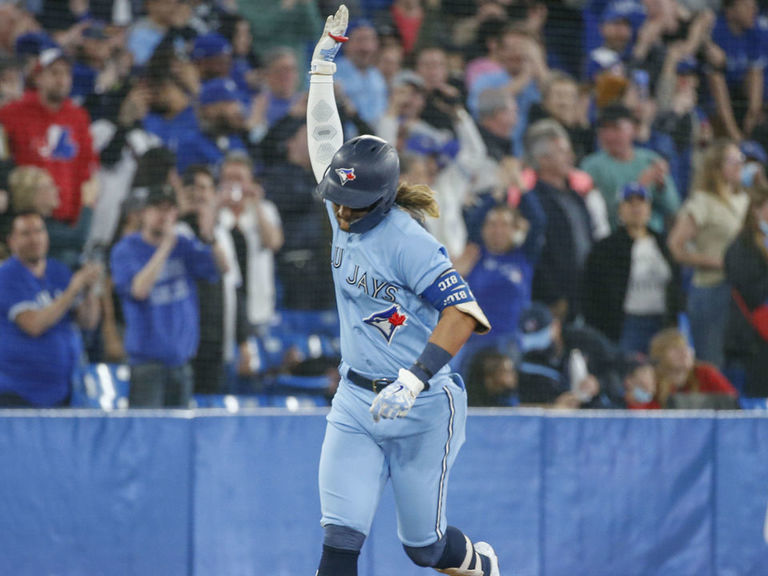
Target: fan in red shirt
point(677, 371)
point(46, 129)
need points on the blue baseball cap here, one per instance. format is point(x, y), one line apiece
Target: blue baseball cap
point(754, 151)
point(635, 190)
point(210, 45)
point(32, 43)
point(614, 13)
point(218, 90)
point(534, 328)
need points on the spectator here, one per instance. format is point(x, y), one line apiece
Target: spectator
point(561, 101)
point(523, 69)
point(497, 116)
point(736, 83)
point(407, 99)
point(746, 270)
point(45, 128)
point(414, 22)
point(283, 24)
point(707, 223)
point(146, 33)
point(569, 366)
point(640, 385)
point(223, 323)
point(32, 188)
point(38, 303)
point(679, 115)
point(90, 72)
point(678, 372)
point(631, 284)
point(494, 380)
point(617, 34)
point(245, 208)
point(171, 115)
point(281, 84)
point(155, 272)
point(357, 74)
point(220, 125)
point(442, 92)
point(620, 162)
point(246, 64)
point(290, 184)
point(568, 236)
point(500, 271)
point(390, 62)
point(212, 54)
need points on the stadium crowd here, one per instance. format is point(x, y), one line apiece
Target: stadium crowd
point(599, 166)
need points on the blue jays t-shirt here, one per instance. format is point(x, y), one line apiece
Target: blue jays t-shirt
point(165, 327)
point(36, 368)
point(501, 284)
point(379, 276)
point(181, 127)
point(742, 52)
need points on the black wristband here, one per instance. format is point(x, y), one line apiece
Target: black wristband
point(432, 359)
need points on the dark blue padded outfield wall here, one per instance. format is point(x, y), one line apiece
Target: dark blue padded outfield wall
point(190, 493)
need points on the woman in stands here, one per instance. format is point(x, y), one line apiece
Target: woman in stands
point(707, 223)
point(746, 271)
point(678, 372)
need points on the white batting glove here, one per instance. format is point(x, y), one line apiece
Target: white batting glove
point(330, 42)
point(397, 399)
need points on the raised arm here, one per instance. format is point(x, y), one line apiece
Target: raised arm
point(324, 132)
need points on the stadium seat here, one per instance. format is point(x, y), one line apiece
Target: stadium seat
point(103, 386)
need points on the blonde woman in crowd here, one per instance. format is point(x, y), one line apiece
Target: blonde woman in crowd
point(707, 223)
point(678, 371)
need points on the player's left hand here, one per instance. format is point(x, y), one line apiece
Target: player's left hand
point(396, 400)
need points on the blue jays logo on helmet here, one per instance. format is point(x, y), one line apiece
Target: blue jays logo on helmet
point(387, 321)
point(345, 175)
point(364, 174)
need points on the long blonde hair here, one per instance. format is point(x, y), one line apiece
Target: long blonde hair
point(709, 174)
point(418, 200)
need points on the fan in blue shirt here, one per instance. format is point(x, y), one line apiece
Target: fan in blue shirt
point(155, 272)
point(40, 343)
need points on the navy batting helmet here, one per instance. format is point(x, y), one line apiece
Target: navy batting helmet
point(364, 173)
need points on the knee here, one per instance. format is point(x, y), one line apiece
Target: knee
point(426, 556)
point(343, 538)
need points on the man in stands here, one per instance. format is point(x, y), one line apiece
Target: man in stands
point(39, 300)
point(45, 128)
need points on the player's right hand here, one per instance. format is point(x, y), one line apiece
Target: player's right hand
point(330, 42)
point(397, 399)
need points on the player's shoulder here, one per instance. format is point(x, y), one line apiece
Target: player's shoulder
point(404, 230)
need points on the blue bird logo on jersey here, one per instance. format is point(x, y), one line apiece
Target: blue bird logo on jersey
point(387, 322)
point(59, 144)
point(345, 175)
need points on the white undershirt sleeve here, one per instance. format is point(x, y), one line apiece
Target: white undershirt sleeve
point(324, 133)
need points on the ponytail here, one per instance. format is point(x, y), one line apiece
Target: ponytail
point(418, 200)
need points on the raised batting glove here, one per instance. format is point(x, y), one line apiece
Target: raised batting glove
point(330, 42)
point(397, 399)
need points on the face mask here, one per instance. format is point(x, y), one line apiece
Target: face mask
point(641, 395)
point(748, 172)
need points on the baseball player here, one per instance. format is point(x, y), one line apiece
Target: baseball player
point(399, 413)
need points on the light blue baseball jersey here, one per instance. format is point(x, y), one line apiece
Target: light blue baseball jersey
point(379, 276)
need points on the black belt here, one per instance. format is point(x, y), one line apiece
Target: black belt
point(375, 385)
